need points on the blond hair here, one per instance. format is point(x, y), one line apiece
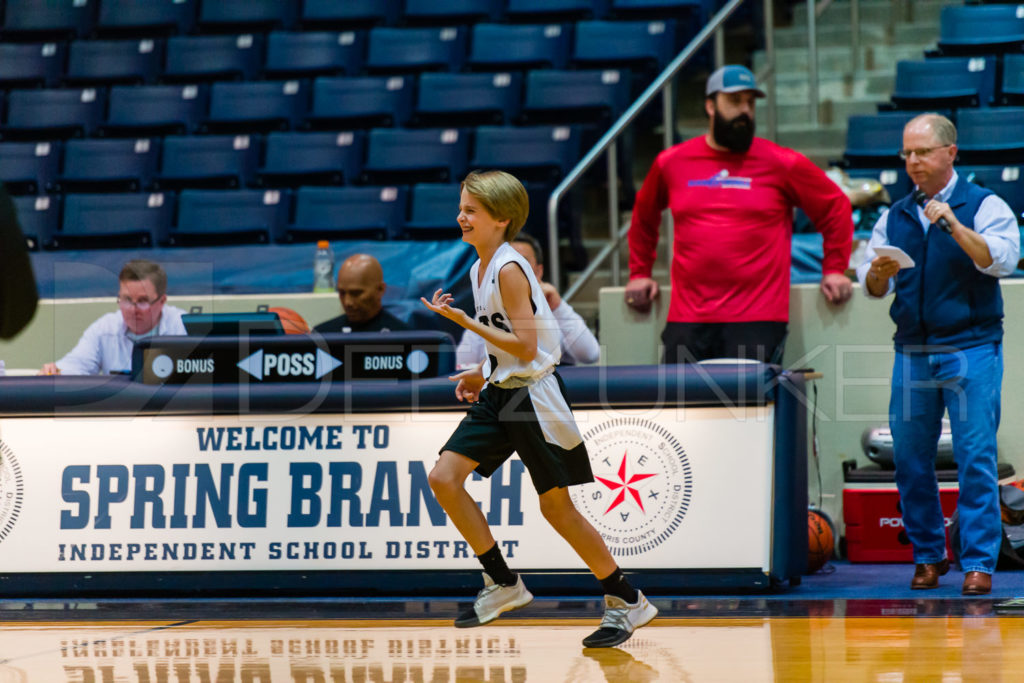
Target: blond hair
point(502, 195)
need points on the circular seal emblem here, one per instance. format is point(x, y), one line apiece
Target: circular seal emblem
point(12, 490)
point(642, 488)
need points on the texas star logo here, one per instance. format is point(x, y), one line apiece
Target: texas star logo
point(643, 484)
point(12, 490)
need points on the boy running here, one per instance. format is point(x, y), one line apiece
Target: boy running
point(518, 404)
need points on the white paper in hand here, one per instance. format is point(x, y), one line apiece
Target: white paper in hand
point(896, 254)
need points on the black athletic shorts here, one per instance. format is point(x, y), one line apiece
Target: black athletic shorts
point(504, 421)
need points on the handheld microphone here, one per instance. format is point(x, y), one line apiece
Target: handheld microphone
point(921, 198)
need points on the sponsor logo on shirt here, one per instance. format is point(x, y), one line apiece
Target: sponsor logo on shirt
point(722, 179)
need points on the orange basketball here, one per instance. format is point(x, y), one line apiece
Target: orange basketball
point(292, 322)
point(819, 541)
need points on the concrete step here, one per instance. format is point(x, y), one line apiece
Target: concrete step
point(883, 12)
point(837, 58)
point(830, 111)
point(875, 84)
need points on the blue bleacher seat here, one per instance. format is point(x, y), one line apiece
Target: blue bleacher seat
point(363, 101)
point(243, 15)
point(48, 18)
point(294, 159)
point(191, 58)
point(660, 9)
point(154, 17)
point(116, 165)
point(552, 10)
point(993, 135)
point(433, 212)
point(636, 44)
point(350, 13)
point(38, 114)
point(114, 220)
point(1012, 88)
point(396, 155)
point(30, 64)
point(114, 61)
point(875, 139)
point(156, 109)
point(219, 161)
point(258, 105)
point(945, 82)
point(498, 46)
point(981, 29)
point(533, 152)
point(394, 50)
point(450, 12)
point(212, 217)
point(347, 213)
point(39, 217)
point(554, 96)
point(1005, 181)
point(29, 167)
point(314, 53)
point(468, 99)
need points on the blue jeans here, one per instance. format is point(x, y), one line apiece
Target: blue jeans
point(926, 382)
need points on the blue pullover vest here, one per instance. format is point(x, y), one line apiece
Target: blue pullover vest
point(944, 299)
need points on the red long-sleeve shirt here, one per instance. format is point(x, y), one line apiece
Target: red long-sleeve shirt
point(733, 217)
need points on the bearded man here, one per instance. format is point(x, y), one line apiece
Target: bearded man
point(732, 197)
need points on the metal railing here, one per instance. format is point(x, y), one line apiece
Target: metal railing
point(663, 85)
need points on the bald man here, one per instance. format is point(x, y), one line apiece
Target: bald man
point(361, 290)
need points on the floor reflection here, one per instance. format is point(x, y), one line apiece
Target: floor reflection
point(884, 649)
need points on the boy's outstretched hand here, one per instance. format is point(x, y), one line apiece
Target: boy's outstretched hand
point(470, 383)
point(441, 303)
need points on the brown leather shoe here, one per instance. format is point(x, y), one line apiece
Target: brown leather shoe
point(927, 575)
point(977, 583)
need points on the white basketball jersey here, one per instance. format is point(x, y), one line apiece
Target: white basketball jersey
point(490, 310)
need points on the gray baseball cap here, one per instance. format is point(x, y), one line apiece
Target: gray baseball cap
point(732, 78)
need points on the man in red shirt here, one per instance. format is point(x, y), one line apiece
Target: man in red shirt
point(732, 196)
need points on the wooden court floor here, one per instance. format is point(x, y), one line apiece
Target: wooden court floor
point(886, 649)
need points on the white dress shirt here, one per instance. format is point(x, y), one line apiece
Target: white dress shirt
point(106, 345)
point(994, 221)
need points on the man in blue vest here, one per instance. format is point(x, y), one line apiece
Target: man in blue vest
point(948, 312)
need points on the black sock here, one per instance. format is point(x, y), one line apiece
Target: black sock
point(494, 565)
point(616, 584)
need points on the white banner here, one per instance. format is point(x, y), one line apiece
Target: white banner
point(674, 489)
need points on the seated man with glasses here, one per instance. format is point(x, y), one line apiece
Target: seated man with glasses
point(106, 345)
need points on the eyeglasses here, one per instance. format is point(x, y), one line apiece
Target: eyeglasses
point(142, 305)
point(921, 152)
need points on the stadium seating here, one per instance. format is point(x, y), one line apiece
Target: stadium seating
point(402, 156)
point(247, 15)
point(659, 9)
point(405, 50)
point(350, 13)
point(123, 165)
point(347, 213)
point(468, 98)
point(1005, 181)
point(156, 17)
point(1012, 88)
point(319, 53)
point(29, 167)
point(554, 96)
point(945, 82)
point(40, 19)
point(192, 58)
point(642, 45)
point(360, 102)
point(217, 217)
point(156, 109)
point(498, 46)
point(49, 114)
point(114, 220)
point(451, 12)
point(217, 161)
point(433, 212)
point(30, 64)
point(981, 29)
point(994, 135)
point(556, 10)
point(256, 106)
point(294, 159)
point(872, 140)
point(39, 217)
point(535, 153)
point(102, 62)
